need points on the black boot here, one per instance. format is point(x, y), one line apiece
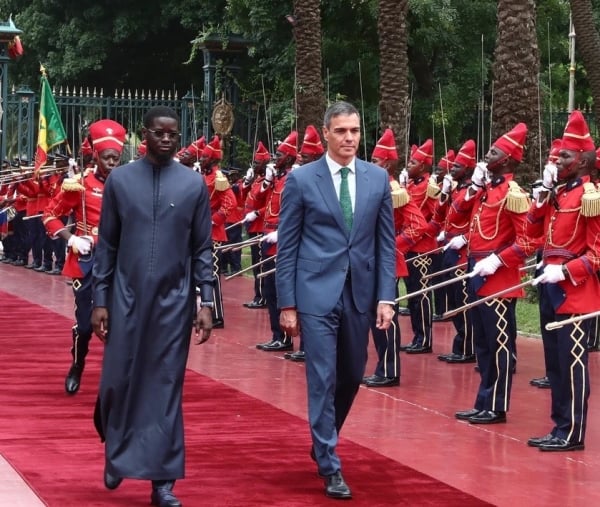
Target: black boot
point(73, 378)
point(162, 494)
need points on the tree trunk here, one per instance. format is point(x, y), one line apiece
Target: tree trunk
point(310, 95)
point(393, 74)
point(516, 91)
point(587, 43)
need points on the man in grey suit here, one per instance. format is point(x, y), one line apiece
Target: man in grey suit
point(335, 275)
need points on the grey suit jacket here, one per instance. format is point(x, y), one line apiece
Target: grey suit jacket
point(316, 253)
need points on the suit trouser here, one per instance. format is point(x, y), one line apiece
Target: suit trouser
point(387, 345)
point(82, 330)
point(495, 331)
point(566, 355)
point(336, 356)
point(420, 307)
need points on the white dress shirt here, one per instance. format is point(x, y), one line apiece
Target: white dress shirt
point(336, 175)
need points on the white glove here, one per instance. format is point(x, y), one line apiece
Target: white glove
point(249, 176)
point(441, 237)
point(480, 175)
point(456, 243)
point(487, 266)
point(403, 177)
point(81, 244)
point(271, 237)
point(447, 184)
point(549, 176)
point(72, 168)
point(270, 172)
point(197, 167)
point(552, 273)
point(251, 216)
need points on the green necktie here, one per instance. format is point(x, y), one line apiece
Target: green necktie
point(345, 200)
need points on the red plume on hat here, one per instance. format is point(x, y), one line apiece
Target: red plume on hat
point(261, 154)
point(576, 136)
point(106, 135)
point(466, 155)
point(447, 160)
point(424, 153)
point(289, 146)
point(513, 143)
point(385, 148)
point(311, 145)
point(554, 150)
point(213, 149)
point(195, 149)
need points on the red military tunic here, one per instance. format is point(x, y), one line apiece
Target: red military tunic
point(450, 218)
point(409, 224)
point(272, 199)
point(255, 201)
point(84, 199)
point(572, 238)
point(498, 225)
point(421, 194)
point(222, 201)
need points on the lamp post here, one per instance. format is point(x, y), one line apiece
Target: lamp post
point(8, 31)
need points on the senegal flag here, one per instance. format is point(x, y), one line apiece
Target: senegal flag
point(51, 132)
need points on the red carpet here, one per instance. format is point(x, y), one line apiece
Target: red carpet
point(240, 451)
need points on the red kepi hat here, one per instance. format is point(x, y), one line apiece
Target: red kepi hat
point(213, 149)
point(447, 160)
point(107, 134)
point(312, 142)
point(513, 143)
point(385, 148)
point(289, 146)
point(261, 154)
point(466, 155)
point(577, 134)
point(424, 153)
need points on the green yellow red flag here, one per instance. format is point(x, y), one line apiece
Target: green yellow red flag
point(51, 132)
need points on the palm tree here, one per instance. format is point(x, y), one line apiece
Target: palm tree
point(588, 45)
point(516, 70)
point(310, 96)
point(393, 73)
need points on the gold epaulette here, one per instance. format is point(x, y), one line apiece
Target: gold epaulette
point(221, 182)
point(517, 200)
point(433, 190)
point(590, 201)
point(72, 185)
point(400, 196)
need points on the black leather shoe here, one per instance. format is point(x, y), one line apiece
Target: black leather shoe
point(73, 379)
point(542, 382)
point(298, 357)
point(336, 487)
point(403, 311)
point(464, 415)
point(164, 497)
point(556, 444)
point(19, 262)
point(459, 358)
point(218, 324)
point(110, 481)
point(39, 269)
point(444, 357)
point(33, 265)
point(407, 346)
point(419, 350)
point(377, 381)
point(366, 379)
point(537, 441)
point(488, 417)
point(255, 304)
point(54, 271)
point(276, 346)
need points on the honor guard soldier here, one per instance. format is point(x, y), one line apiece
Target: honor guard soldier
point(451, 222)
point(497, 247)
point(566, 214)
point(252, 194)
point(190, 156)
point(409, 225)
point(82, 196)
point(423, 192)
point(272, 188)
point(222, 201)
